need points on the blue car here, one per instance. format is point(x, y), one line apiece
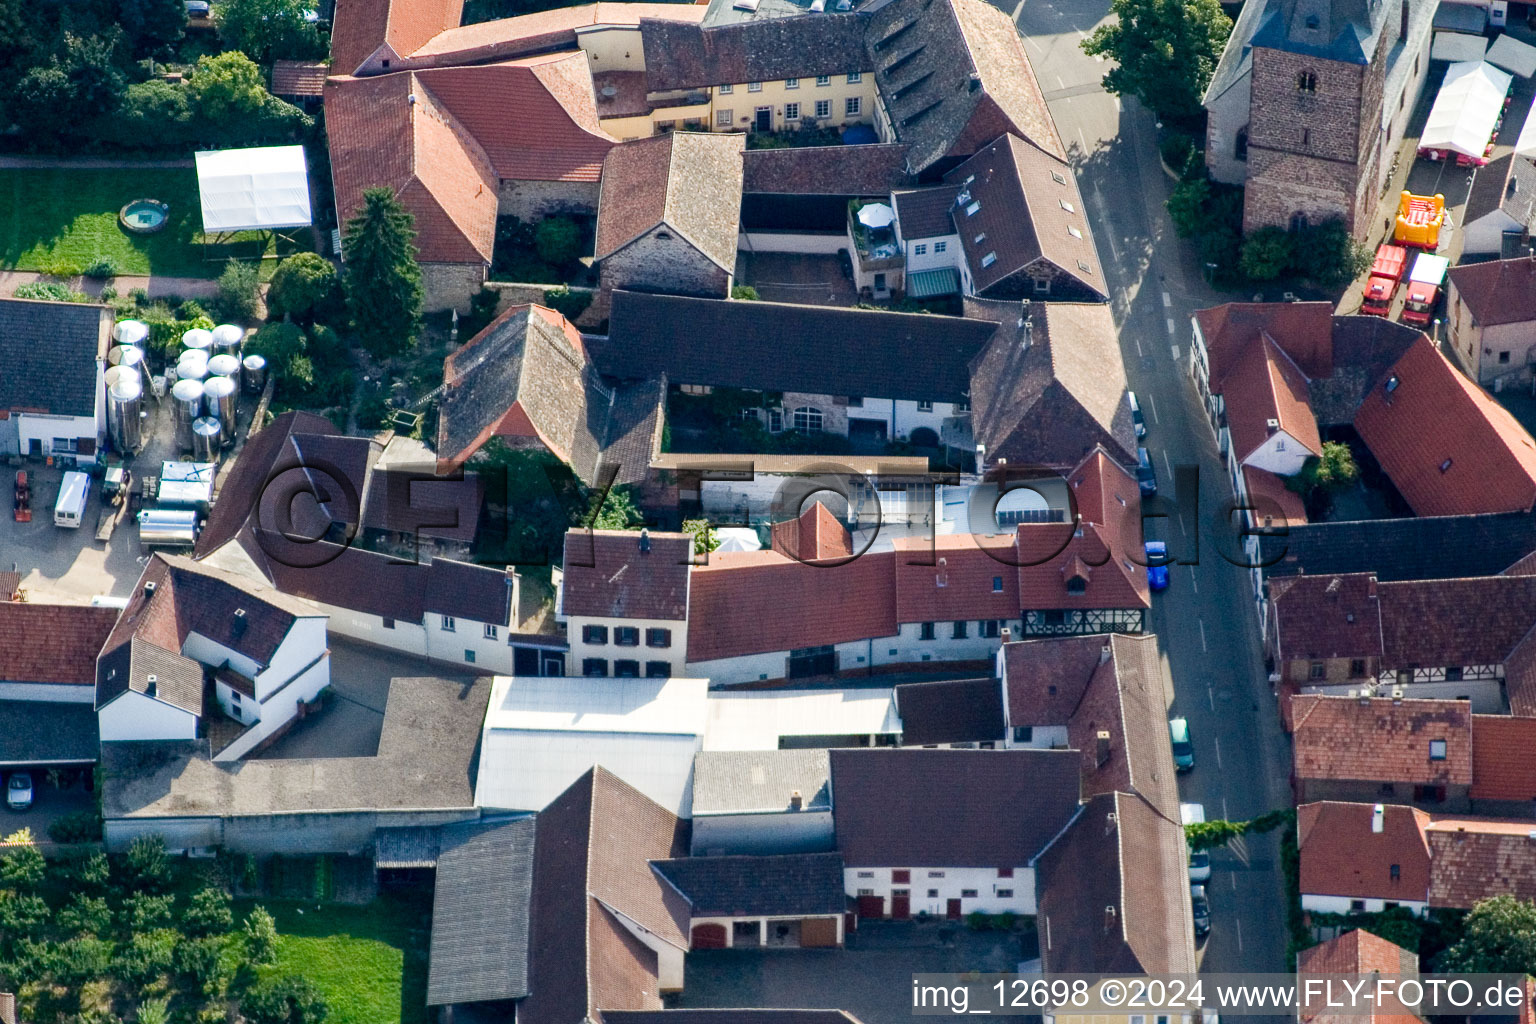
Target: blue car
point(1157, 565)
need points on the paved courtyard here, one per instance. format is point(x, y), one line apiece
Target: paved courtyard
point(872, 978)
point(788, 277)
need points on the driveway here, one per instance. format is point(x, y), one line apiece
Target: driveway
point(871, 978)
point(48, 804)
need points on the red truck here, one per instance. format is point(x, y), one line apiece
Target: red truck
point(1381, 287)
point(1424, 284)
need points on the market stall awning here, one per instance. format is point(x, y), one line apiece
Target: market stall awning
point(1511, 54)
point(1466, 109)
point(253, 189)
point(1457, 47)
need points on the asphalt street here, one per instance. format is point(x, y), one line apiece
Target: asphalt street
point(1206, 620)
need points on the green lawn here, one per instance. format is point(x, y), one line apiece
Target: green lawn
point(61, 221)
point(370, 962)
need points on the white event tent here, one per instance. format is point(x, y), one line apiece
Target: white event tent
point(261, 189)
point(1467, 108)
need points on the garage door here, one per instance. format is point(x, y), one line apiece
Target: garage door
point(709, 936)
point(871, 906)
point(817, 932)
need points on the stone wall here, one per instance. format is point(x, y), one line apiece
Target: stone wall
point(834, 414)
point(515, 294)
point(451, 285)
point(661, 261)
point(531, 200)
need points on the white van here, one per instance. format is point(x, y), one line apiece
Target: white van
point(69, 510)
point(1199, 860)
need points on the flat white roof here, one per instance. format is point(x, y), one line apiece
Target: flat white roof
point(756, 719)
point(253, 189)
point(572, 704)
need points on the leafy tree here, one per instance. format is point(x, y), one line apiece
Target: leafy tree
point(41, 93)
point(1208, 835)
point(79, 960)
point(302, 283)
point(1165, 52)
point(23, 867)
point(86, 914)
point(21, 913)
point(148, 866)
point(145, 956)
point(383, 281)
point(1187, 206)
point(199, 959)
point(567, 303)
point(83, 826)
point(209, 912)
point(617, 511)
point(95, 871)
point(153, 1012)
point(289, 1000)
point(1335, 470)
point(227, 85)
point(558, 241)
point(96, 82)
point(1267, 253)
point(1328, 254)
point(260, 936)
point(1498, 937)
point(151, 25)
point(744, 292)
point(238, 290)
point(705, 539)
point(268, 30)
point(142, 911)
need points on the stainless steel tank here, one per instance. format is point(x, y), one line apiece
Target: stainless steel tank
point(227, 339)
point(125, 355)
point(125, 400)
point(192, 365)
point(186, 406)
point(253, 374)
point(222, 398)
point(130, 332)
point(206, 432)
point(225, 365)
point(119, 372)
point(196, 339)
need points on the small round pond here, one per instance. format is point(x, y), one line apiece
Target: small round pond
point(144, 216)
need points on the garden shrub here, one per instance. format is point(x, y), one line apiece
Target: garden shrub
point(567, 303)
point(82, 826)
point(50, 291)
point(238, 289)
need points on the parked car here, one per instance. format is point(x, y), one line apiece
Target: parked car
point(1202, 908)
point(197, 9)
point(1157, 565)
point(1199, 860)
point(846, 263)
point(1183, 749)
point(1136, 418)
point(18, 792)
point(1146, 476)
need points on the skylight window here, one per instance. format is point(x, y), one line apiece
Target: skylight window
point(989, 259)
point(1058, 178)
point(973, 209)
point(1437, 750)
point(1067, 206)
point(1074, 232)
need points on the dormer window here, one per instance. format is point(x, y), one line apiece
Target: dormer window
point(1306, 81)
point(1313, 21)
point(1437, 750)
point(1077, 585)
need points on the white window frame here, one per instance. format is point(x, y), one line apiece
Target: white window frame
point(807, 419)
point(920, 249)
point(855, 77)
point(791, 83)
point(823, 79)
point(490, 632)
point(939, 247)
point(791, 111)
point(823, 108)
point(726, 90)
point(725, 118)
point(448, 625)
point(853, 106)
point(754, 87)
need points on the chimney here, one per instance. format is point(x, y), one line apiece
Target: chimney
point(1378, 815)
point(151, 682)
point(149, 589)
point(1104, 653)
point(1101, 747)
point(1109, 917)
point(1271, 426)
point(645, 542)
point(1007, 635)
point(1370, 588)
point(237, 628)
point(796, 802)
point(941, 578)
point(1334, 586)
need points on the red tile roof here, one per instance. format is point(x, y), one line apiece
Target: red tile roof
point(1502, 765)
point(1472, 859)
point(1342, 856)
point(815, 536)
point(539, 32)
point(1109, 548)
point(1265, 386)
point(299, 78)
point(752, 602)
point(689, 181)
point(379, 136)
point(52, 643)
point(1447, 446)
point(956, 577)
point(1497, 292)
point(607, 575)
point(1358, 952)
point(1304, 330)
point(1273, 503)
point(1346, 738)
point(360, 27)
point(1476, 621)
point(1520, 677)
point(1327, 617)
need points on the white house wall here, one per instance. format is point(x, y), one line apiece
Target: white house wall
point(133, 716)
point(214, 654)
point(44, 428)
point(51, 692)
point(675, 654)
point(491, 654)
point(952, 883)
point(276, 712)
point(612, 47)
point(905, 648)
point(1486, 695)
point(305, 642)
point(928, 259)
point(1041, 737)
point(1343, 905)
point(1280, 454)
point(762, 834)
